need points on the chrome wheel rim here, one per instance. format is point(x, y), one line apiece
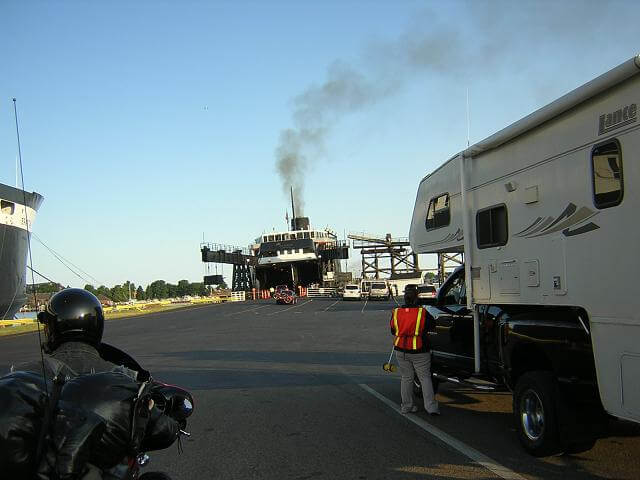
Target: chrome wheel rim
point(532, 415)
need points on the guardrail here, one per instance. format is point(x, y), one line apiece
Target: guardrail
point(238, 296)
point(321, 292)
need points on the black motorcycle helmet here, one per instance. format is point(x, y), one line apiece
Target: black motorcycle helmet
point(72, 315)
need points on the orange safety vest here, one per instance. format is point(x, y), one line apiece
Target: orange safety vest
point(408, 324)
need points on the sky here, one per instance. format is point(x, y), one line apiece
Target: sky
point(150, 126)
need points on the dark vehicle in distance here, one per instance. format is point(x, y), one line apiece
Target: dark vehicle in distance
point(426, 294)
point(284, 295)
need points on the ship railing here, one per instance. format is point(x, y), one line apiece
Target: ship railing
point(220, 247)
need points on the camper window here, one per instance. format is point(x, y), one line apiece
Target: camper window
point(606, 163)
point(492, 226)
point(438, 214)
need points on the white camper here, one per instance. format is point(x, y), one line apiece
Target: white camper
point(545, 211)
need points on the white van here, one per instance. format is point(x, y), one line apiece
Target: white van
point(351, 292)
point(379, 290)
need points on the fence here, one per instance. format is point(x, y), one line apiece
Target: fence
point(321, 292)
point(238, 296)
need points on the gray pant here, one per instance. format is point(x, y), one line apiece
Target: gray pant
point(421, 364)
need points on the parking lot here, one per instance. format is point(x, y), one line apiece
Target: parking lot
point(299, 392)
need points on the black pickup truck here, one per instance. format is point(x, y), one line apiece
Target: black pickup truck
point(542, 354)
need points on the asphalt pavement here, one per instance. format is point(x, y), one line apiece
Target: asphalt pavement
point(298, 392)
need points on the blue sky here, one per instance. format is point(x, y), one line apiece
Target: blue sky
point(148, 124)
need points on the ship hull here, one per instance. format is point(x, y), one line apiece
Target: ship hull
point(14, 245)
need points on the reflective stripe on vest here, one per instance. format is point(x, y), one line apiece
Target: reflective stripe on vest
point(395, 325)
point(409, 328)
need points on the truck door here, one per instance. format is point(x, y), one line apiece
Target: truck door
point(452, 339)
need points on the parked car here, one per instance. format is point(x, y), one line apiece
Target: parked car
point(379, 290)
point(351, 292)
point(427, 294)
point(284, 296)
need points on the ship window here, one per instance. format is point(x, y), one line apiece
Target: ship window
point(313, 234)
point(306, 234)
point(270, 237)
point(606, 169)
point(492, 226)
point(438, 213)
point(7, 207)
point(278, 238)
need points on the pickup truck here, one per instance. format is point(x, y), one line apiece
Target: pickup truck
point(543, 356)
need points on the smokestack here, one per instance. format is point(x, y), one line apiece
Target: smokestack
point(293, 212)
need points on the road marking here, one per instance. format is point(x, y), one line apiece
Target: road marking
point(293, 306)
point(243, 311)
point(365, 304)
point(472, 453)
point(331, 305)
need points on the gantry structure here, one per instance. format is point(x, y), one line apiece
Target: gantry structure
point(385, 255)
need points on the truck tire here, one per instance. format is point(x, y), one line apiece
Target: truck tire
point(535, 413)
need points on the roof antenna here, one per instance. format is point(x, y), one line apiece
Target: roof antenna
point(468, 121)
point(26, 223)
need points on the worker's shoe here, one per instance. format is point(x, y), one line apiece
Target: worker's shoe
point(413, 409)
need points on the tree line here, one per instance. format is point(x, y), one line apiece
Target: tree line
point(158, 289)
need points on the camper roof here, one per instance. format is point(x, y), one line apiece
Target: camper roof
point(590, 89)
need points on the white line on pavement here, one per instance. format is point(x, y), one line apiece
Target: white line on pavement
point(244, 311)
point(472, 453)
point(293, 306)
point(365, 304)
point(331, 305)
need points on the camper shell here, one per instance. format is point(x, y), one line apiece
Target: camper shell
point(545, 213)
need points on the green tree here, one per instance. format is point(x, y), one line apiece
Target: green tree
point(140, 293)
point(90, 288)
point(102, 290)
point(182, 288)
point(158, 289)
point(119, 294)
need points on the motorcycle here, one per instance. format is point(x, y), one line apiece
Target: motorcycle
point(92, 426)
point(160, 407)
point(171, 402)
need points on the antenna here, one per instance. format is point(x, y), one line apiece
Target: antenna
point(468, 121)
point(26, 223)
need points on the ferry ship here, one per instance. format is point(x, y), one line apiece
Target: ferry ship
point(17, 213)
point(299, 257)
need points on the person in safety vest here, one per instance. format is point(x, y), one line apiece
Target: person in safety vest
point(409, 330)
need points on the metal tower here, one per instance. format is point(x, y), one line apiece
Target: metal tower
point(385, 255)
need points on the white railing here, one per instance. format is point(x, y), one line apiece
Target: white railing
point(321, 292)
point(238, 296)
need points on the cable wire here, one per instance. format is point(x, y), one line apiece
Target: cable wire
point(26, 222)
point(64, 261)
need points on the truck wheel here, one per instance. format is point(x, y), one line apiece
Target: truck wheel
point(534, 412)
